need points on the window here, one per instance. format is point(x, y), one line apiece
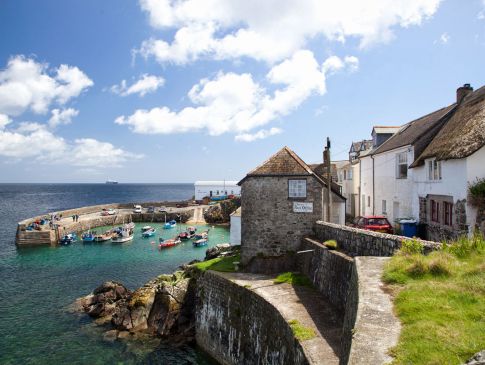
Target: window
point(345, 174)
point(435, 211)
point(384, 207)
point(448, 208)
point(402, 165)
point(349, 175)
point(296, 188)
point(434, 170)
point(368, 201)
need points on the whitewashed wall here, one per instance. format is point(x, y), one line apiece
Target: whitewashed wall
point(202, 189)
point(235, 231)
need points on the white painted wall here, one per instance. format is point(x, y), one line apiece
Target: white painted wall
point(235, 231)
point(218, 188)
point(475, 169)
point(398, 193)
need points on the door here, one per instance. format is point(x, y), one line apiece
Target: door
point(395, 211)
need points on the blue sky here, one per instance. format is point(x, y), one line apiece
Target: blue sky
point(212, 88)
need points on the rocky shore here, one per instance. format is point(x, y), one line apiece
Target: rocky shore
point(163, 307)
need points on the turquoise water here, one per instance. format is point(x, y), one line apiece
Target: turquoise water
point(37, 286)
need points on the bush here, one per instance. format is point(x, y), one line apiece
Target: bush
point(476, 193)
point(411, 247)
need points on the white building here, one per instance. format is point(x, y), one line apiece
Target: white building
point(423, 171)
point(235, 232)
point(215, 189)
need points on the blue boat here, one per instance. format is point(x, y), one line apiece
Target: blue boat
point(149, 232)
point(170, 224)
point(88, 237)
point(201, 242)
point(68, 239)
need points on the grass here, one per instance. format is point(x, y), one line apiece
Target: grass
point(440, 300)
point(301, 332)
point(223, 264)
point(293, 278)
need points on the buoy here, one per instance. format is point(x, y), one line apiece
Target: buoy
point(153, 242)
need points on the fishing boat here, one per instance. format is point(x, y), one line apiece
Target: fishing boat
point(201, 236)
point(149, 232)
point(106, 236)
point(169, 225)
point(184, 235)
point(88, 236)
point(146, 228)
point(168, 243)
point(123, 234)
point(201, 242)
point(68, 239)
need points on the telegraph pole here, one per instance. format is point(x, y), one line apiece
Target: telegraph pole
point(328, 168)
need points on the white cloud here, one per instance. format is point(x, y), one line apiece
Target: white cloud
point(146, 84)
point(223, 29)
point(35, 142)
point(261, 134)
point(236, 103)
point(4, 120)
point(28, 85)
point(444, 38)
point(63, 116)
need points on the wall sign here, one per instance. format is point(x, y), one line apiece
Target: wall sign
point(300, 207)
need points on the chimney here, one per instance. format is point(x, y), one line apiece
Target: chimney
point(463, 91)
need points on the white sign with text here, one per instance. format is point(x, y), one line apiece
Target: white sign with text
point(301, 207)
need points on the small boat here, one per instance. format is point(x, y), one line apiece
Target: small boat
point(168, 243)
point(201, 236)
point(170, 224)
point(111, 182)
point(184, 235)
point(123, 234)
point(192, 230)
point(149, 232)
point(68, 239)
point(146, 228)
point(201, 242)
point(106, 236)
point(88, 237)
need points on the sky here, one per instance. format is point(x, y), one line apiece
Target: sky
point(158, 91)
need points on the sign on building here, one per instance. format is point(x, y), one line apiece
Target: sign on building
point(302, 207)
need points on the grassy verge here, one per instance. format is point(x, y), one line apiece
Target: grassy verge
point(440, 300)
point(301, 332)
point(224, 264)
point(293, 278)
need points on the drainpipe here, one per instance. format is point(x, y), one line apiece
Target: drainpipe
point(360, 188)
point(373, 187)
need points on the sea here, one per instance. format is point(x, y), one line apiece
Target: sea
point(38, 284)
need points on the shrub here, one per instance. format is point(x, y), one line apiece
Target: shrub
point(441, 264)
point(293, 278)
point(476, 193)
point(418, 267)
point(411, 247)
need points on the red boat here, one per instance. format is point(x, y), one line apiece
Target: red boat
point(168, 243)
point(184, 235)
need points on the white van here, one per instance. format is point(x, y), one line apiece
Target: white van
point(137, 209)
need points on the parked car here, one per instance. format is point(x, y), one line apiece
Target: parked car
point(376, 223)
point(137, 209)
point(109, 211)
point(163, 210)
point(151, 210)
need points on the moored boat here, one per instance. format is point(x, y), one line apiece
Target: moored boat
point(146, 228)
point(201, 242)
point(68, 239)
point(168, 243)
point(106, 236)
point(123, 234)
point(88, 237)
point(201, 236)
point(149, 232)
point(184, 235)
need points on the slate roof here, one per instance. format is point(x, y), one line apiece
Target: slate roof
point(419, 132)
point(358, 145)
point(464, 132)
point(285, 162)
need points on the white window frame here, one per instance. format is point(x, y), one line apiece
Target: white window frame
point(401, 160)
point(297, 188)
point(434, 170)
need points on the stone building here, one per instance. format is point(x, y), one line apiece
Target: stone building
point(281, 200)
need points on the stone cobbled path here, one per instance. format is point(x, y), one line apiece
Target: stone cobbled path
point(306, 306)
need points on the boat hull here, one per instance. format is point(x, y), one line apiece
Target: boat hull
point(121, 239)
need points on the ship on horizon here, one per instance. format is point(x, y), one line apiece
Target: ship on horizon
point(112, 182)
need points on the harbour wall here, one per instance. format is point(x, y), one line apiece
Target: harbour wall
point(235, 325)
point(360, 242)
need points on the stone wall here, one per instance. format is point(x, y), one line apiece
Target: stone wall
point(269, 227)
point(237, 326)
point(360, 242)
point(329, 271)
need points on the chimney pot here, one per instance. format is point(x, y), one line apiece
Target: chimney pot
point(463, 91)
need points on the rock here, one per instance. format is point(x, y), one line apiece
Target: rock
point(217, 250)
point(102, 302)
point(477, 359)
point(124, 334)
point(221, 213)
point(110, 336)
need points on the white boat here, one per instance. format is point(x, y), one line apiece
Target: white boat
point(124, 233)
point(111, 182)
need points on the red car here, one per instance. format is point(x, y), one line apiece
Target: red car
point(376, 223)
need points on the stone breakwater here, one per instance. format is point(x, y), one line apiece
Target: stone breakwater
point(90, 217)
